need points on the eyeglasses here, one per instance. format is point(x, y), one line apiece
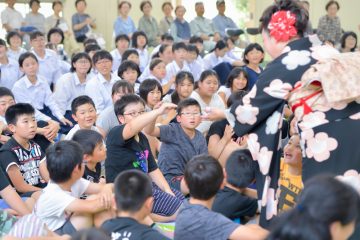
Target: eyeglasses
point(195, 114)
point(134, 114)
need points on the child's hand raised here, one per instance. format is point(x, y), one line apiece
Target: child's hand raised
point(164, 108)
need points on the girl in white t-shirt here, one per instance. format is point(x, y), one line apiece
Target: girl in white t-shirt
point(236, 81)
point(206, 95)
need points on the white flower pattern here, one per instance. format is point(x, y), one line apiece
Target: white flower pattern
point(273, 123)
point(296, 58)
point(278, 89)
point(246, 114)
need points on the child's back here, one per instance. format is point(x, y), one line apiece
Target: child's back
point(231, 200)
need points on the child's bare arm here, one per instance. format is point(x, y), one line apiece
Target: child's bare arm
point(250, 232)
point(18, 180)
point(138, 124)
point(14, 201)
point(43, 171)
point(88, 206)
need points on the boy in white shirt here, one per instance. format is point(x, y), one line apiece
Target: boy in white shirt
point(59, 205)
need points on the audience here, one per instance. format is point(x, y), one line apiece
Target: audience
point(123, 24)
point(165, 23)
point(95, 130)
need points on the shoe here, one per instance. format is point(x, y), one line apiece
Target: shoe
point(233, 32)
point(253, 31)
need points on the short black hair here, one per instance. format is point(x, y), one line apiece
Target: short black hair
point(196, 39)
point(15, 111)
point(143, 3)
point(179, 45)
point(251, 47)
point(240, 169)
point(62, 158)
point(167, 36)
point(203, 176)
point(26, 55)
point(122, 37)
point(88, 140)
point(135, 36)
point(92, 47)
point(78, 56)
point(36, 34)
point(128, 64)
point(207, 73)
point(193, 48)
point(2, 42)
point(121, 104)
point(132, 188)
point(81, 100)
point(147, 86)
point(220, 45)
point(55, 30)
point(102, 54)
point(12, 34)
point(4, 91)
point(89, 41)
point(32, 2)
point(186, 103)
point(127, 53)
point(90, 234)
point(122, 84)
point(77, 1)
point(55, 3)
point(154, 62)
point(331, 3)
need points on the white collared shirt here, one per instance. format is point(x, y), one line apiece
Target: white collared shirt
point(211, 60)
point(144, 58)
point(196, 68)
point(68, 87)
point(49, 66)
point(99, 89)
point(172, 69)
point(38, 95)
point(10, 73)
point(116, 60)
point(15, 54)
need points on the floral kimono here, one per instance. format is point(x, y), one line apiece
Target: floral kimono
point(329, 138)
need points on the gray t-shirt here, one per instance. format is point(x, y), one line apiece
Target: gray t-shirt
point(177, 149)
point(198, 222)
point(107, 119)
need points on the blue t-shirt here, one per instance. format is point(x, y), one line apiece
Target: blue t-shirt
point(79, 18)
point(177, 149)
point(252, 76)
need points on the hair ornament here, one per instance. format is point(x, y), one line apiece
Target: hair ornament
point(282, 26)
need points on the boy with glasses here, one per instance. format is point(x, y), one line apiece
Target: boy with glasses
point(128, 148)
point(180, 142)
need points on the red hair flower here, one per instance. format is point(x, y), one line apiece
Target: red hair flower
point(282, 26)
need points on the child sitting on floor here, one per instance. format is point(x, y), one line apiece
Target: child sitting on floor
point(128, 148)
point(84, 113)
point(59, 205)
point(180, 142)
point(21, 158)
point(134, 201)
point(204, 176)
point(233, 201)
point(94, 153)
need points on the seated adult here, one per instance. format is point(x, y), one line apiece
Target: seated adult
point(222, 22)
point(180, 28)
point(204, 28)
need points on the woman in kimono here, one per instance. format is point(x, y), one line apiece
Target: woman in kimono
point(329, 137)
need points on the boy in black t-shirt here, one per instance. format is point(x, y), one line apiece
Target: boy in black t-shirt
point(22, 159)
point(233, 200)
point(128, 148)
point(94, 152)
point(133, 197)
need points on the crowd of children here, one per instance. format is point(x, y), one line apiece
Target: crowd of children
point(111, 145)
